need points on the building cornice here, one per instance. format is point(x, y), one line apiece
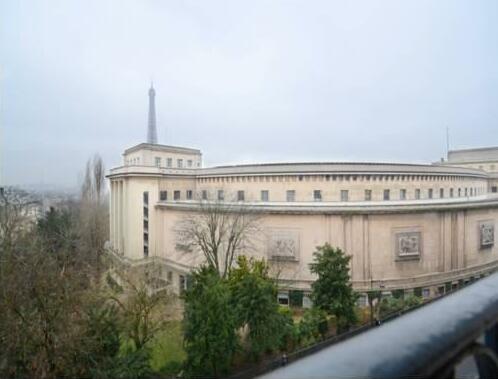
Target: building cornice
point(385, 207)
point(311, 169)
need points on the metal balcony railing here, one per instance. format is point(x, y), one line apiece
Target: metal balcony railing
point(429, 342)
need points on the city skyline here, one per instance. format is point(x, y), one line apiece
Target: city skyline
point(245, 84)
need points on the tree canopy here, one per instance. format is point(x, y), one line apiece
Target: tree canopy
point(332, 291)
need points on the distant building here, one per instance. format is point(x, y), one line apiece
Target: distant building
point(424, 228)
point(484, 158)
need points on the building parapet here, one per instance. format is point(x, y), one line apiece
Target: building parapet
point(162, 148)
point(363, 207)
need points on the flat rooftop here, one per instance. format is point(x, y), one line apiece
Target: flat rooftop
point(162, 148)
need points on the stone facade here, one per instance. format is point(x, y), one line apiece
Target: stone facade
point(405, 226)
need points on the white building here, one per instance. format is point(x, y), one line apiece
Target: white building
point(424, 227)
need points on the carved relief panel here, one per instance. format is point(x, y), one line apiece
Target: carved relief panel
point(283, 244)
point(486, 234)
point(407, 245)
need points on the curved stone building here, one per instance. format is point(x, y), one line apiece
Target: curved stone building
point(427, 228)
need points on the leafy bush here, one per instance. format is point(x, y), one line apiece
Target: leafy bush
point(312, 327)
point(289, 331)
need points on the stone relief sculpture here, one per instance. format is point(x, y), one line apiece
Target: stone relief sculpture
point(283, 244)
point(408, 245)
point(486, 235)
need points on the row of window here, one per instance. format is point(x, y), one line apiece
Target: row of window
point(317, 194)
point(337, 177)
point(146, 223)
point(163, 195)
point(169, 163)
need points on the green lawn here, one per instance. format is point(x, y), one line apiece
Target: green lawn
point(167, 349)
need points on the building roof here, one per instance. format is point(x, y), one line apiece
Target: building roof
point(338, 168)
point(163, 148)
point(481, 154)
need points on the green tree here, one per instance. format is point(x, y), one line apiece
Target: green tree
point(101, 352)
point(209, 324)
point(332, 291)
point(254, 298)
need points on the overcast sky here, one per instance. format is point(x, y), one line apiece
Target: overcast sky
point(244, 81)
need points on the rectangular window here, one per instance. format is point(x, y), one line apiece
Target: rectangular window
point(179, 163)
point(417, 193)
point(146, 212)
point(344, 195)
point(291, 195)
point(146, 198)
point(368, 195)
point(317, 195)
point(265, 195)
point(189, 163)
point(189, 194)
point(221, 195)
point(158, 162)
point(146, 251)
point(170, 276)
point(176, 195)
point(387, 194)
point(240, 195)
point(163, 195)
point(204, 195)
point(182, 283)
point(283, 298)
point(402, 194)
point(459, 192)
point(430, 193)
point(451, 192)
point(441, 193)
point(146, 225)
point(466, 192)
point(494, 189)
point(170, 162)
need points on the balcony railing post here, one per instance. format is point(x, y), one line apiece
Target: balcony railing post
point(491, 338)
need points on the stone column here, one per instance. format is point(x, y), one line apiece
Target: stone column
point(111, 213)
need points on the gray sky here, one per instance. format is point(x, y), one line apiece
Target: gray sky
point(244, 81)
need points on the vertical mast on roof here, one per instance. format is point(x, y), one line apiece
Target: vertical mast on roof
point(152, 129)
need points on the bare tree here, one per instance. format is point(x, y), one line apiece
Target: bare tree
point(145, 311)
point(220, 231)
point(86, 187)
point(98, 177)
point(94, 214)
point(15, 209)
